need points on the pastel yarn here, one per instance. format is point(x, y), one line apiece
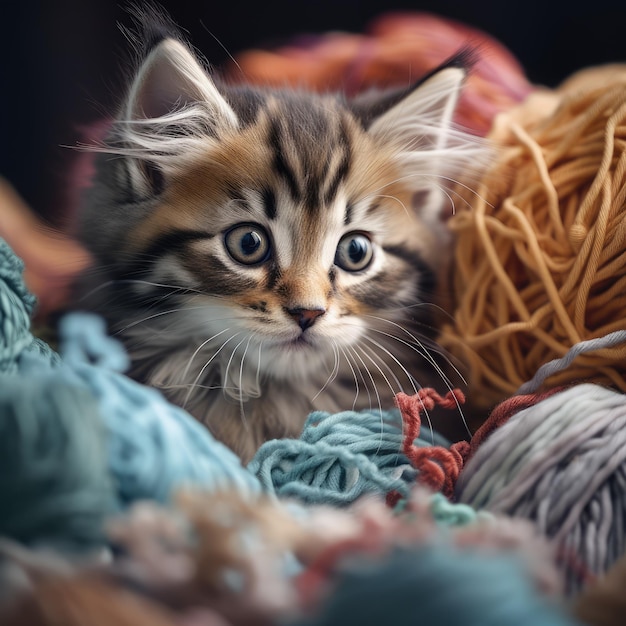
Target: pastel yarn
point(339, 457)
point(55, 489)
point(562, 464)
point(154, 447)
point(16, 308)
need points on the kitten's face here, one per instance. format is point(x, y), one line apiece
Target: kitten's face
point(289, 243)
point(282, 231)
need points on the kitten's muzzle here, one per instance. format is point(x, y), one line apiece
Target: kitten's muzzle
point(305, 318)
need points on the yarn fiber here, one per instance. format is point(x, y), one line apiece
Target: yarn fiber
point(54, 485)
point(338, 458)
point(440, 585)
point(154, 447)
point(562, 464)
point(540, 261)
point(16, 308)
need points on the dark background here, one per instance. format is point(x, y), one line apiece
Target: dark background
point(61, 59)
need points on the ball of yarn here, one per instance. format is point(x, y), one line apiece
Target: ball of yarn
point(562, 464)
point(437, 584)
point(16, 307)
point(540, 262)
point(153, 447)
point(54, 485)
point(338, 458)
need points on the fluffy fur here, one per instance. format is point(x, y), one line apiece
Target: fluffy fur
point(264, 253)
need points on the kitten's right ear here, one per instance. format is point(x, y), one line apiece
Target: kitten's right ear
point(170, 79)
point(172, 107)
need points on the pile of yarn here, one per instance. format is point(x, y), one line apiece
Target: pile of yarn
point(540, 261)
point(137, 446)
point(16, 308)
point(79, 439)
point(340, 457)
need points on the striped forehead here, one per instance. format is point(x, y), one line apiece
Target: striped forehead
point(311, 150)
point(299, 169)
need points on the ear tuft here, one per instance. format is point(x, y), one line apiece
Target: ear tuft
point(418, 125)
point(423, 117)
point(173, 111)
point(170, 79)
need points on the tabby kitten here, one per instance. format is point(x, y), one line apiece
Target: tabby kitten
point(263, 253)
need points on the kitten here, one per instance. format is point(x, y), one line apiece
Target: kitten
point(265, 253)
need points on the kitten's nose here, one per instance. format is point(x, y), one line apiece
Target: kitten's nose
point(305, 318)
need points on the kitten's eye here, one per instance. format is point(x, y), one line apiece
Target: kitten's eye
point(247, 244)
point(354, 252)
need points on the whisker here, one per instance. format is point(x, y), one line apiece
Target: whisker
point(404, 207)
point(193, 356)
point(333, 373)
point(380, 407)
point(160, 314)
point(358, 369)
point(356, 382)
point(406, 372)
point(229, 362)
point(422, 351)
point(137, 281)
point(369, 350)
point(258, 366)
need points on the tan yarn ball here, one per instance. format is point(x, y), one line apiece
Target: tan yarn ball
point(540, 259)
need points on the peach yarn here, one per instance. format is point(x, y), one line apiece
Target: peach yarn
point(540, 262)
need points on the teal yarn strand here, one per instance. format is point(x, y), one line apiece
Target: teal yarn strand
point(54, 486)
point(16, 307)
point(339, 458)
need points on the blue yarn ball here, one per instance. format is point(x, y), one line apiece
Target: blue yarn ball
point(154, 447)
point(16, 307)
point(437, 585)
point(339, 458)
point(54, 485)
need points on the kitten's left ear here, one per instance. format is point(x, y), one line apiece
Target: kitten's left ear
point(418, 124)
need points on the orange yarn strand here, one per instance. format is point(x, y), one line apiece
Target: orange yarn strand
point(540, 262)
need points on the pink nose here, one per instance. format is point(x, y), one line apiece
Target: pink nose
point(305, 318)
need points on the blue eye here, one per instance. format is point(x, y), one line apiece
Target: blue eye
point(248, 244)
point(354, 252)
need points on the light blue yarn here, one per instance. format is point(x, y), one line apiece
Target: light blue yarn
point(154, 447)
point(16, 307)
point(339, 458)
